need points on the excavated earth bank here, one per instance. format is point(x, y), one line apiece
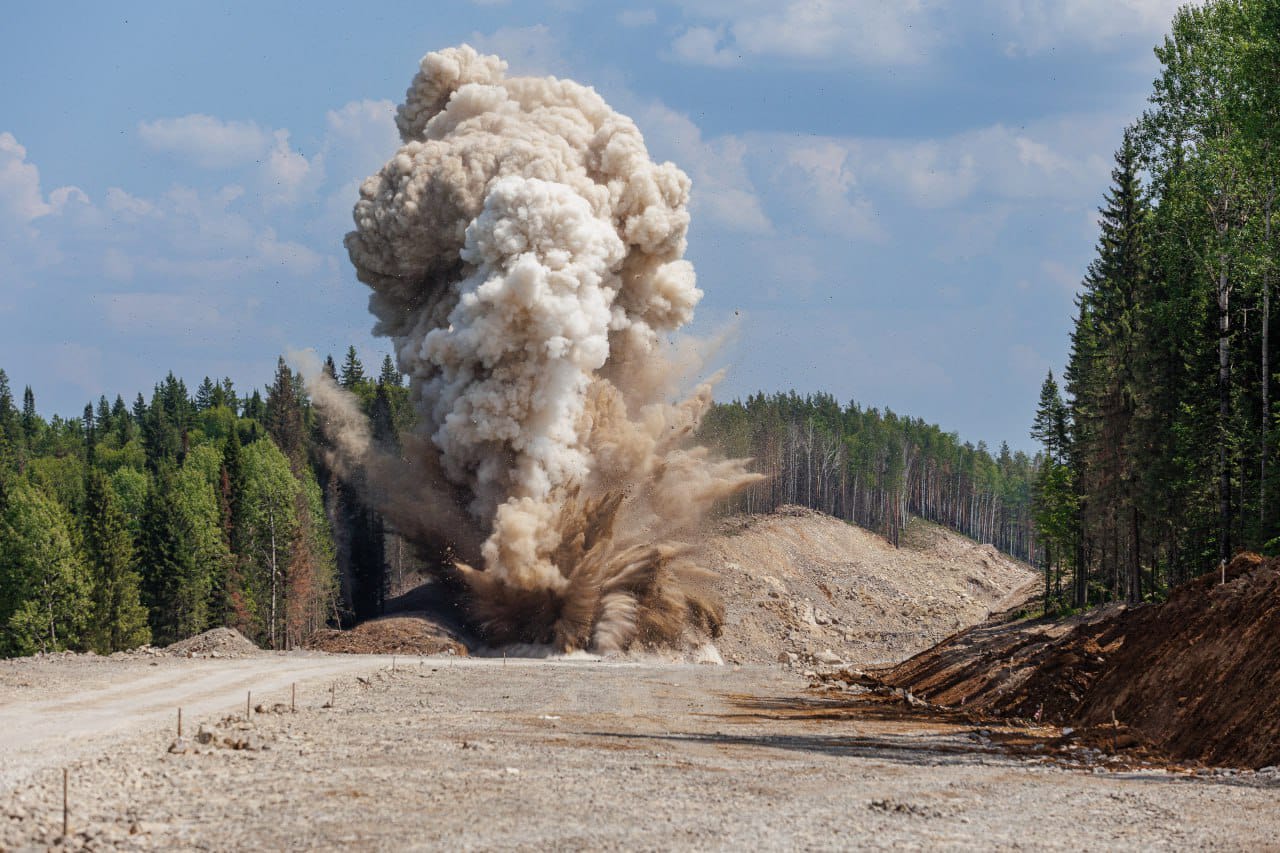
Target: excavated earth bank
point(798, 587)
point(1197, 677)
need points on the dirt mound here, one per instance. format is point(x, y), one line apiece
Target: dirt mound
point(217, 643)
point(799, 585)
point(1197, 676)
point(405, 634)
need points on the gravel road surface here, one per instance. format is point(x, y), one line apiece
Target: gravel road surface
point(536, 755)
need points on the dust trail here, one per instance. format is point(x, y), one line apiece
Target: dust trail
point(526, 259)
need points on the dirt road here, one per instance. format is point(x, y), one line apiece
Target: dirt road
point(86, 702)
point(482, 754)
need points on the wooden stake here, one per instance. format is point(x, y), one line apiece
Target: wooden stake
point(293, 698)
point(179, 722)
point(247, 697)
point(66, 810)
point(393, 663)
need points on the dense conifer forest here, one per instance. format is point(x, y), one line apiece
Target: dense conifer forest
point(1161, 440)
point(154, 521)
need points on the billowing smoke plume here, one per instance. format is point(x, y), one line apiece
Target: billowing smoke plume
point(526, 259)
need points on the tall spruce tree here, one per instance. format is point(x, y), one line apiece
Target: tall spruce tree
point(352, 370)
point(389, 375)
point(284, 415)
point(172, 584)
point(30, 419)
point(118, 619)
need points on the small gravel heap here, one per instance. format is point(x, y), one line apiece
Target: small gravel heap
point(217, 643)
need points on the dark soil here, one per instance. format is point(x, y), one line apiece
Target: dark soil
point(1197, 677)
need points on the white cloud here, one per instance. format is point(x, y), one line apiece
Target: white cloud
point(288, 176)
point(933, 174)
point(722, 190)
point(819, 177)
point(20, 198)
point(847, 32)
point(704, 46)
point(26, 214)
point(1056, 160)
point(876, 33)
point(129, 206)
point(1034, 26)
point(209, 142)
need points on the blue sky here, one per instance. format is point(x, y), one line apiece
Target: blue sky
point(893, 202)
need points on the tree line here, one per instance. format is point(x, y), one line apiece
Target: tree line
point(876, 469)
point(155, 521)
point(1160, 444)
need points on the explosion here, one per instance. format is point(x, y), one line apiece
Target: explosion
point(526, 260)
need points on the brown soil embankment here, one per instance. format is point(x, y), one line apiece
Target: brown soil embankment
point(1198, 676)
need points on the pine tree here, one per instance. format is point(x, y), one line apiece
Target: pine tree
point(30, 420)
point(206, 395)
point(102, 415)
point(118, 619)
point(330, 369)
point(10, 426)
point(171, 581)
point(1050, 426)
point(352, 370)
point(254, 408)
point(229, 398)
point(90, 432)
point(122, 422)
point(382, 420)
point(284, 416)
point(389, 376)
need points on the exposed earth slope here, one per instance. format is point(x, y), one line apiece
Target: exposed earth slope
point(801, 582)
point(1197, 677)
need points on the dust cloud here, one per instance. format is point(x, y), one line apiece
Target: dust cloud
point(525, 257)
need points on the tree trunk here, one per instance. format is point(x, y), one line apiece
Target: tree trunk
point(1224, 411)
point(1135, 565)
point(1266, 362)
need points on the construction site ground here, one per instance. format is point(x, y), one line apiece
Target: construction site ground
point(782, 747)
point(468, 753)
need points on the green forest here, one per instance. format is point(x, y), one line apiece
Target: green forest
point(876, 469)
point(1160, 443)
point(155, 521)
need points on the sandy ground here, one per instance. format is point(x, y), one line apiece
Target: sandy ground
point(798, 582)
point(57, 709)
point(448, 753)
